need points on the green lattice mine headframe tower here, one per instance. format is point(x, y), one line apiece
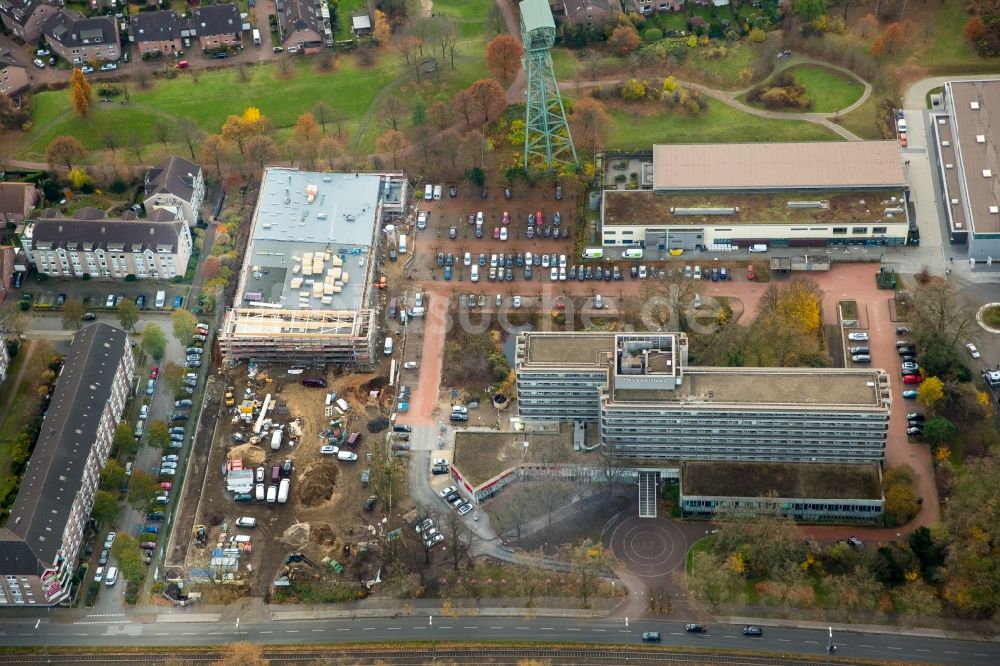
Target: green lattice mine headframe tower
point(546, 136)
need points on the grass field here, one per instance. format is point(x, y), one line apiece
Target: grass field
point(350, 88)
point(861, 121)
point(727, 72)
point(939, 38)
point(829, 90)
point(720, 123)
point(345, 8)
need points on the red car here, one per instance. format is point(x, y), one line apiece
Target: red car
point(902, 139)
point(148, 545)
point(506, 218)
point(912, 379)
point(496, 233)
point(155, 372)
point(166, 485)
point(538, 218)
point(750, 274)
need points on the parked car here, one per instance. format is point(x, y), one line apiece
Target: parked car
point(910, 395)
point(858, 336)
point(972, 350)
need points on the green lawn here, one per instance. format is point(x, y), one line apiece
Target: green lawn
point(861, 120)
point(719, 124)
point(944, 47)
point(345, 8)
point(728, 72)
point(565, 64)
point(828, 89)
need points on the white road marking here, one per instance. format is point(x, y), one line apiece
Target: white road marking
point(271, 631)
point(598, 629)
point(572, 629)
point(394, 628)
point(317, 630)
point(291, 631)
point(526, 628)
point(889, 647)
point(812, 642)
point(866, 646)
point(784, 640)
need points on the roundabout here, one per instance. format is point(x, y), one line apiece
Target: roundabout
point(649, 548)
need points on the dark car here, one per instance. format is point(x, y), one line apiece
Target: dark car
point(484, 194)
point(753, 631)
point(694, 628)
point(88, 316)
point(440, 259)
point(103, 559)
point(180, 417)
point(453, 191)
point(651, 636)
point(221, 55)
point(715, 275)
point(140, 301)
point(507, 192)
point(370, 503)
point(154, 515)
point(439, 469)
point(530, 233)
point(916, 416)
point(453, 233)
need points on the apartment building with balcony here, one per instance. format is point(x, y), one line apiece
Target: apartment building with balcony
point(41, 541)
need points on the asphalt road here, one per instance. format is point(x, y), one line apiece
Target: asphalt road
point(111, 631)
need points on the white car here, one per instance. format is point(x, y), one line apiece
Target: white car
point(464, 509)
point(422, 220)
point(858, 336)
point(517, 301)
point(467, 260)
point(503, 233)
point(562, 261)
point(440, 461)
point(329, 450)
point(697, 272)
point(554, 274)
point(436, 539)
point(246, 521)
point(38, 63)
point(545, 261)
point(972, 350)
point(170, 458)
point(87, 69)
point(411, 365)
point(110, 539)
point(99, 574)
point(447, 491)
point(599, 302)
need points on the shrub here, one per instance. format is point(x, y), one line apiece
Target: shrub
point(652, 35)
point(118, 186)
point(991, 316)
point(757, 36)
point(378, 425)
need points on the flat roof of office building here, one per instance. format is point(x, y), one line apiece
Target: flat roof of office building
point(975, 106)
point(769, 166)
point(768, 387)
point(783, 480)
point(482, 454)
point(328, 218)
point(747, 208)
point(569, 349)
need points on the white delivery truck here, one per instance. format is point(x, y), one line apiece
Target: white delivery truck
point(593, 253)
point(402, 243)
point(632, 253)
point(256, 37)
point(161, 298)
point(758, 247)
point(276, 440)
point(283, 490)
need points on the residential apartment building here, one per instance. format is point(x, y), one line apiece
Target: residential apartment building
point(809, 493)
point(8, 256)
point(648, 7)
point(156, 32)
point(25, 18)
point(80, 39)
point(591, 13)
point(305, 289)
point(304, 25)
point(16, 202)
point(652, 406)
point(13, 75)
point(42, 540)
point(217, 26)
point(89, 243)
point(177, 185)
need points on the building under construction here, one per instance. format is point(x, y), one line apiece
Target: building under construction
point(305, 290)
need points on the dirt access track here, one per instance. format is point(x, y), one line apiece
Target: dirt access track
point(324, 511)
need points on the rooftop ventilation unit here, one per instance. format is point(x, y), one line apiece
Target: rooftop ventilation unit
point(980, 138)
point(995, 209)
point(974, 106)
point(946, 143)
point(809, 204)
point(705, 211)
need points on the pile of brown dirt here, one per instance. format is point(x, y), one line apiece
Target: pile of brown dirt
point(354, 388)
point(316, 483)
point(251, 455)
point(322, 534)
point(297, 535)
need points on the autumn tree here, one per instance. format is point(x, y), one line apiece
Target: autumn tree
point(393, 142)
point(503, 56)
point(330, 149)
point(942, 321)
point(106, 509)
point(158, 434)
point(184, 324)
point(307, 134)
point(262, 149)
point(974, 29)
point(382, 30)
point(213, 150)
point(128, 314)
point(112, 476)
point(72, 311)
point(142, 488)
point(129, 558)
point(64, 150)
point(173, 375)
point(186, 131)
point(931, 392)
point(894, 35)
point(624, 38)
point(393, 110)
point(592, 121)
point(440, 115)
point(80, 92)
point(711, 579)
point(488, 96)
point(124, 440)
point(900, 495)
point(240, 129)
point(464, 104)
point(154, 342)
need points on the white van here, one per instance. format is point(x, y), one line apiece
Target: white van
point(111, 577)
point(387, 349)
point(475, 273)
point(438, 191)
point(632, 253)
point(758, 247)
point(428, 192)
point(272, 494)
point(161, 298)
point(256, 37)
point(259, 492)
point(402, 243)
point(593, 253)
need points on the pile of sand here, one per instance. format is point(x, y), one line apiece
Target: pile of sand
point(297, 535)
point(315, 484)
point(250, 454)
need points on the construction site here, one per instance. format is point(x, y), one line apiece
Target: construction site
point(312, 445)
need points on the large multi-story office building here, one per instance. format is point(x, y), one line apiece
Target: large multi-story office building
point(652, 406)
point(41, 540)
point(305, 290)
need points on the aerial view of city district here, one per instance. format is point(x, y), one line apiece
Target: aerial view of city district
point(528, 332)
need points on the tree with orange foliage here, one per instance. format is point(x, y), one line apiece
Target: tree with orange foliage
point(307, 134)
point(488, 95)
point(80, 92)
point(624, 38)
point(503, 56)
point(974, 29)
point(382, 30)
point(894, 35)
point(464, 104)
point(393, 142)
point(591, 120)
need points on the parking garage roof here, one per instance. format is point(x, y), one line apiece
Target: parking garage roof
point(783, 480)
